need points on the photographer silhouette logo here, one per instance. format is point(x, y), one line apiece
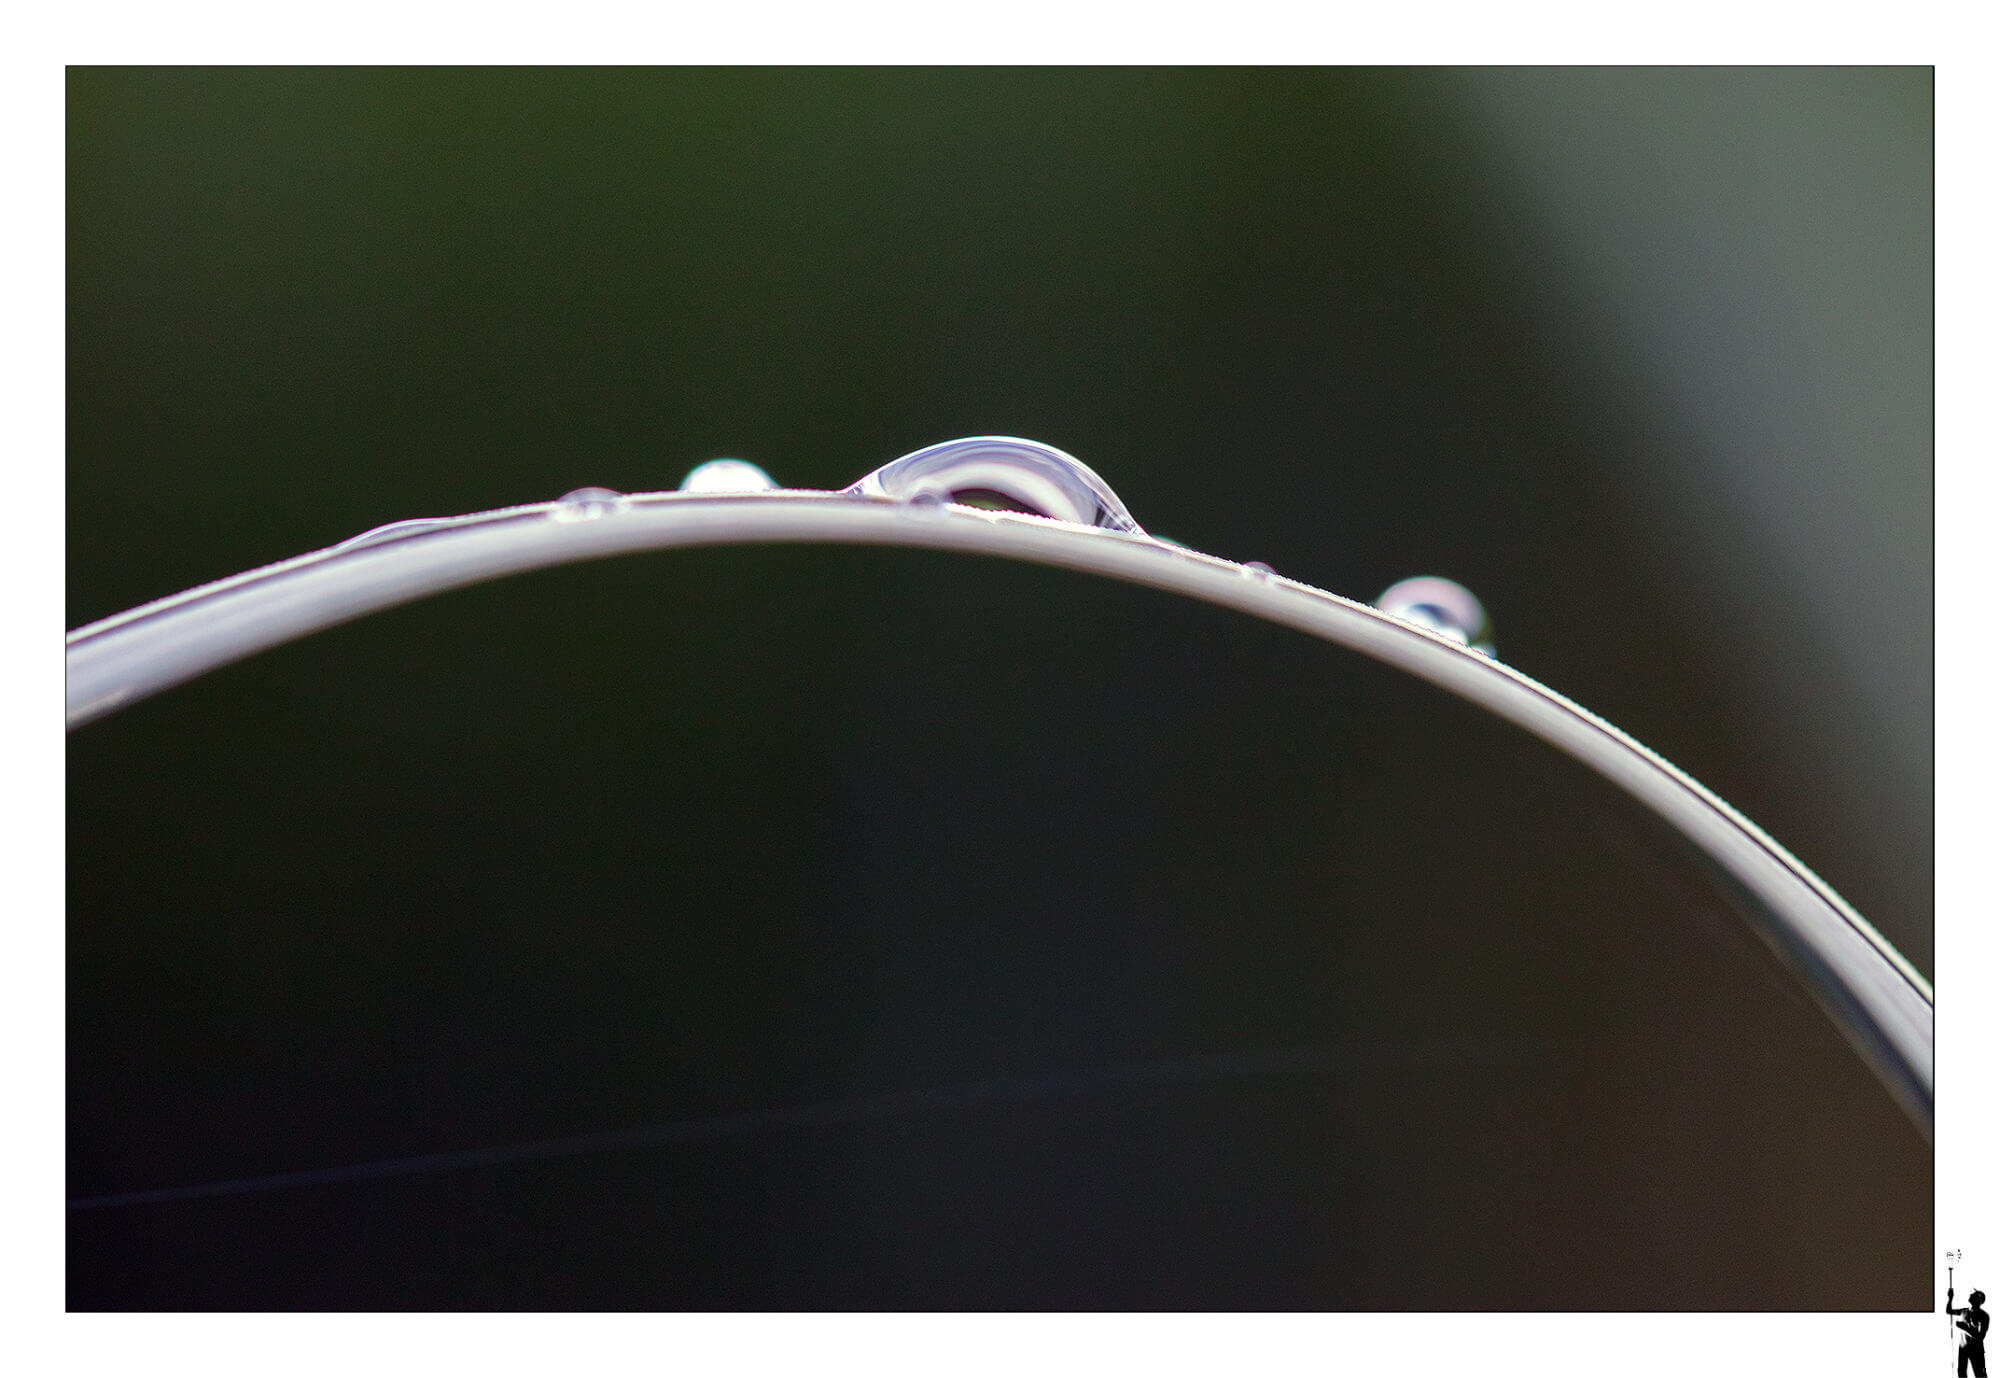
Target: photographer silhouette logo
point(1969, 1324)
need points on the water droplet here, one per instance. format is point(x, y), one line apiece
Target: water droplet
point(1257, 569)
point(1005, 472)
point(586, 504)
point(395, 531)
point(727, 476)
point(928, 501)
point(1442, 606)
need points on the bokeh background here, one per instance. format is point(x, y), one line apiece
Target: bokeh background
point(1641, 356)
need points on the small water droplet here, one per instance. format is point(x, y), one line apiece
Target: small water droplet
point(727, 476)
point(1257, 569)
point(928, 501)
point(1007, 472)
point(1442, 606)
point(395, 531)
point(585, 504)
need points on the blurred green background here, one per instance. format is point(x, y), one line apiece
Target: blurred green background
point(1641, 356)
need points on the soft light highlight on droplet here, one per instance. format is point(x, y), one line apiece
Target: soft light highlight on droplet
point(727, 476)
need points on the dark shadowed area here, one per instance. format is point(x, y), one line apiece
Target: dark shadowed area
point(922, 931)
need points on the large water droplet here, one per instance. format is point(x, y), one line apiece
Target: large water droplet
point(585, 504)
point(1003, 471)
point(1444, 607)
point(727, 476)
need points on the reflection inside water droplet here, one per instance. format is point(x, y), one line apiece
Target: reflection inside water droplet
point(1442, 606)
point(585, 504)
point(1003, 472)
point(727, 476)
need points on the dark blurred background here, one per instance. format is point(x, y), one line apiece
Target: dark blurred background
point(1642, 357)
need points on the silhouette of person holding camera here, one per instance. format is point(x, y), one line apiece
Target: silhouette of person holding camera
point(1972, 1324)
